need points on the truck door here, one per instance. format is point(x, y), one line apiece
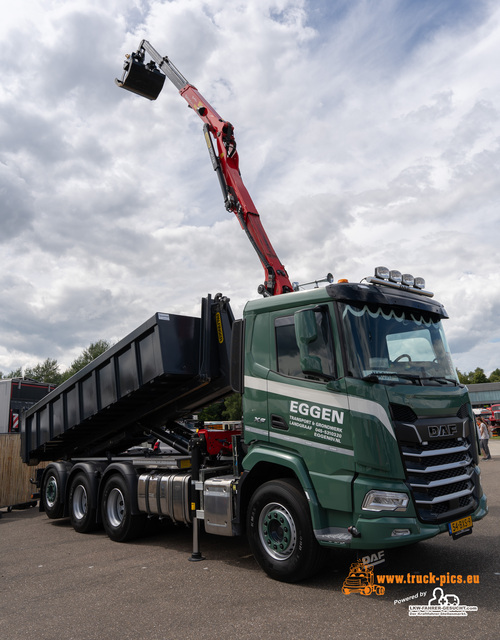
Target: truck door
point(308, 405)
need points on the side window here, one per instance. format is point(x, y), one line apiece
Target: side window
point(288, 352)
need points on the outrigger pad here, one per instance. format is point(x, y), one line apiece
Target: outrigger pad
point(145, 80)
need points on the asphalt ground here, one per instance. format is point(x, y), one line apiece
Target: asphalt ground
point(56, 584)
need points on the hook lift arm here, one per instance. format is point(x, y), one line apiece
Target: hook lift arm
point(146, 80)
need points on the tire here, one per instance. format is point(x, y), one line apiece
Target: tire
point(52, 494)
point(280, 534)
point(82, 510)
point(119, 523)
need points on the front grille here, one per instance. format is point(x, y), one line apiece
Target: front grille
point(440, 472)
point(444, 475)
point(403, 413)
point(445, 458)
point(463, 412)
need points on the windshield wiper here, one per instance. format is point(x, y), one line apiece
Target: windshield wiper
point(374, 377)
point(441, 379)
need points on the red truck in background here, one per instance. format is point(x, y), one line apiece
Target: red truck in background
point(494, 418)
point(17, 394)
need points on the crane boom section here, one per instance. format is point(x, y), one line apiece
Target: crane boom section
point(225, 161)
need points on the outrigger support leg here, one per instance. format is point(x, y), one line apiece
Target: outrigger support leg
point(195, 446)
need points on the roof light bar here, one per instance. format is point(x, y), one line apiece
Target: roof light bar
point(395, 279)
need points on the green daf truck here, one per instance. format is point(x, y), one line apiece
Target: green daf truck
point(356, 433)
point(351, 389)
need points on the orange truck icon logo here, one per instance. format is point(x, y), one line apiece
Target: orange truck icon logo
point(361, 579)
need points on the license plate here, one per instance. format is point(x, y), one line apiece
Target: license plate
point(460, 527)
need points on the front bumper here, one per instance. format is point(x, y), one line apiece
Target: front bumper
point(379, 533)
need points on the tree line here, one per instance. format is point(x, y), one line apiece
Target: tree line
point(478, 376)
point(49, 370)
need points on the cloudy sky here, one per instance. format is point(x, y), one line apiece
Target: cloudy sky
point(368, 133)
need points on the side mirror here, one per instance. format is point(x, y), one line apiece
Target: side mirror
point(305, 327)
point(306, 332)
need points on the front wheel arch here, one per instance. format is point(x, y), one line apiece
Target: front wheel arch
point(263, 464)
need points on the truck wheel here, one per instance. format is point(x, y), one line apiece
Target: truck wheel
point(51, 495)
point(280, 532)
point(82, 513)
point(119, 523)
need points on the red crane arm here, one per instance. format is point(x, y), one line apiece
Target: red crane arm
point(139, 78)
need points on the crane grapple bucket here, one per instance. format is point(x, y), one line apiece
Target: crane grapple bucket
point(145, 80)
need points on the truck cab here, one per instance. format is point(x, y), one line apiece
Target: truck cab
point(351, 389)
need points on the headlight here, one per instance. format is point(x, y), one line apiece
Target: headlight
point(385, 501)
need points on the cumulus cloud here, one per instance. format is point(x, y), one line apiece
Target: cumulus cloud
point(368, 134)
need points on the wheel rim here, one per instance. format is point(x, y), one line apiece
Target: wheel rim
point(51, 492)
point(115, 507)
point(80, 502)
point(277, 531)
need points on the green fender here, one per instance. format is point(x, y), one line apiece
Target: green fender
point(264, 453)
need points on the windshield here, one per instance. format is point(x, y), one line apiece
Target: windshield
point(396, 345)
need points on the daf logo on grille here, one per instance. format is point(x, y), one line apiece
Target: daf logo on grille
point(442, 430)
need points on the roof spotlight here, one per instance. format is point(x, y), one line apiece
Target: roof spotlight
point(419, 283)
point(382, 273)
